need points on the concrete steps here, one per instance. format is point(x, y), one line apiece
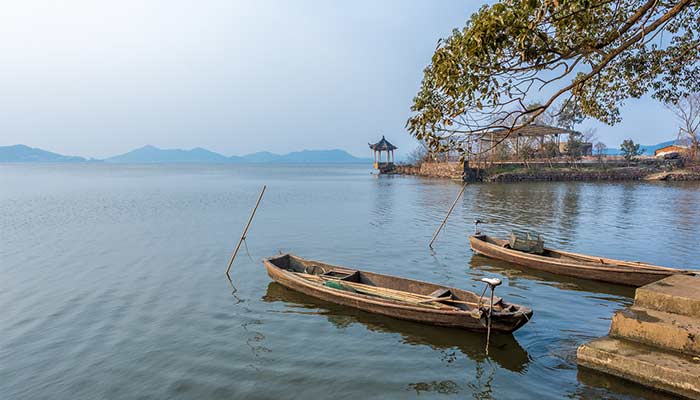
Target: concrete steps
point(643, 364)
point(657, 328)
point(656, 342)
point(677, 294)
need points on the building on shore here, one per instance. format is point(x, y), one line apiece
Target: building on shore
point(507, 144)
point(383, 146)
point(671, 151)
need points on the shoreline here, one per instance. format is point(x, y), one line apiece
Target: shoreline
point(594, 174)
point(583, 173)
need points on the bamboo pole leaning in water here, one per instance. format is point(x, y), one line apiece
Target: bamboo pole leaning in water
point(245, 230)
point(447, 216)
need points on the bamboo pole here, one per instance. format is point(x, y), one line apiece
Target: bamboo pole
point(245, 230)
point(447, 216)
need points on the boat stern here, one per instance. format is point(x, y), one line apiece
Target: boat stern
point(509, 320)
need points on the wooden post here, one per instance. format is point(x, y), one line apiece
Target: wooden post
point(245, 230)
point(447, 216)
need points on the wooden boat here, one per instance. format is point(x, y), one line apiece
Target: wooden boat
point(394, 296)
point(631, 273)
point(504, 349)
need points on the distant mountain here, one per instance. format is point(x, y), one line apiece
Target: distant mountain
point(648, 150)
point(305, 157)
point(152, 154)
point(22, 153)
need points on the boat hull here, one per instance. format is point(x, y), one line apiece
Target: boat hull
point(607, 271)
point(503, 322)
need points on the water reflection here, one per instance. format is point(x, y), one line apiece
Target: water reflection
point(504, 349)
point(383, 206)
point(552, 212)
point(569, 211)
point(597, 385)
point(516, 273)
point(234, 290)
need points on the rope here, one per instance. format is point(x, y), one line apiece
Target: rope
point(481, 297)
point(245, 245)
point(488, 327)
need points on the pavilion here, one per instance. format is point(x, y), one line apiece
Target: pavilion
point(377, 150)
point(539, 132)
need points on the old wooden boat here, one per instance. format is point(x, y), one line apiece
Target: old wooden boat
point(505, 350)
point(396, 297)
point(631, 273)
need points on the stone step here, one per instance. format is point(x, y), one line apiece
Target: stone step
point(665, 370)
point(656, 328)
point(677, 294)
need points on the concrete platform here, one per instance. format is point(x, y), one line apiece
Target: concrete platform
point(677, 294)
point(656, 342)
point(657, 328)
point(668, 371)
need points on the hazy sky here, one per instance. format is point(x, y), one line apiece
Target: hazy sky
point(97, 78)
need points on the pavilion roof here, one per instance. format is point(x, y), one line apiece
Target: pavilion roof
point(382, 145)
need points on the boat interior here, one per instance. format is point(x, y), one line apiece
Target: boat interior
point(582, 259)
point(364, 282)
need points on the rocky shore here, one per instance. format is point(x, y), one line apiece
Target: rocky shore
point(595, 174)
point(688, 174)
point(648, 172)
point(569, 174)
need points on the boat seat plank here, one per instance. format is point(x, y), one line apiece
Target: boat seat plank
point(352, 276)
point(441, 292)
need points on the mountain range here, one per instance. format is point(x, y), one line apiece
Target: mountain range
point(154, 155)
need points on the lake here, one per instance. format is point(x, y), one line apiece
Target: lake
point(113, 281)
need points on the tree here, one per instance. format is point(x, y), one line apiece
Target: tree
point(590, 54)
point(418, 156)
point(568, 115)
point(630, 150)
point(574, 147)
point(589, 135)
point(600, 151)
point(687, 112)
point(527, 152)
point(550, 150)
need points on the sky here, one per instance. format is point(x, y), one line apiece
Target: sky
point(98, 78)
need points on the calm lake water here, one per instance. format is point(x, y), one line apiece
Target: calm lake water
point(113, 282)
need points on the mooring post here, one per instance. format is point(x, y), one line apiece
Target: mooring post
point(245, 230)
point(447, 216)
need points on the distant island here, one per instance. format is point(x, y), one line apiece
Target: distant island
point(22, 153)
point(154, 155)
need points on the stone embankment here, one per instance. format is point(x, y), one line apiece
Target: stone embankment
point(452, 170)
point(644, 171)
point(688, 174)
point(570, 174)
point(656, 341)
